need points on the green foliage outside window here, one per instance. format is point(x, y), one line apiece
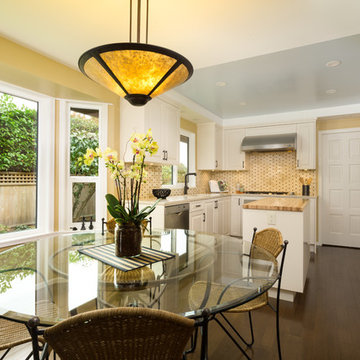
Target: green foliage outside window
point(18, 140)
point(83, 136)
point(19, 257)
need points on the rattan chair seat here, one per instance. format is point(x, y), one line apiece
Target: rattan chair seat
point(12, 334)
point(199, 289)
point(121, 333)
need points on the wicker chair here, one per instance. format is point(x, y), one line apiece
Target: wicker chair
point(12, 334)
point(120, 333)
point(269, 239)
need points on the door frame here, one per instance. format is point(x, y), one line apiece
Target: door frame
point(320, 174)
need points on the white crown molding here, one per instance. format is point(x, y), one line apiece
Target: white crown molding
point(190, 110)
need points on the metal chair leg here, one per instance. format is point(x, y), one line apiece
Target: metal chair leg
point(249, 344)
point(6, 352)
point(232, 338)
point(193, 343)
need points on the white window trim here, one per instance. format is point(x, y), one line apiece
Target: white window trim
point(45, 175)
point(66, 181)
point(192, 156)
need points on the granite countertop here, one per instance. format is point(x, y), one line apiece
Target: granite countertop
point(181, 199)
point(279, 204)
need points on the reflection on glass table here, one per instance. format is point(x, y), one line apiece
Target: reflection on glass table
point(50, 273)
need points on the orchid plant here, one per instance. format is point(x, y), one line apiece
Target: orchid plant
point(125, 207)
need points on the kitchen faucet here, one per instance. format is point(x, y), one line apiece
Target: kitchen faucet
point(186, 181)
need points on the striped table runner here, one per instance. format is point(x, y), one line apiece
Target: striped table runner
point(106, 254)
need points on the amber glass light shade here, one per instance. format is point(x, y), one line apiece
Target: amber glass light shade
point(138, 72)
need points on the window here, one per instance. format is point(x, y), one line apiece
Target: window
point(83, 187)
point(26, 153)
point(174, 175)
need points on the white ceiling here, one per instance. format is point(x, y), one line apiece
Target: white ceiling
point(271, 54)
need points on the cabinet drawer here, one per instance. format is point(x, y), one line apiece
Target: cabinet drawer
point(196, 206)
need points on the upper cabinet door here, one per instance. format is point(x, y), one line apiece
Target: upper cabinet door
point(164, 121)
point(306, 146)
point(234, 158)
point(209, 146)
point(170, 116)
point(153, 122)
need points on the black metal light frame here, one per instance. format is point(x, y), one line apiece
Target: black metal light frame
point(135, 99)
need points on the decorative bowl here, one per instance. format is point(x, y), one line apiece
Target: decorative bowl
point(161, 193)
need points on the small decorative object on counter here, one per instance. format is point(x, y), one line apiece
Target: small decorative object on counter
point(305, 185)
point(125, 207)
point(161, 193)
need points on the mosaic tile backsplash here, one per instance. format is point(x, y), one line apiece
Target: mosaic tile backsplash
point(267, 171)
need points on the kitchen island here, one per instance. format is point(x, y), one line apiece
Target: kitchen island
point(291, 216)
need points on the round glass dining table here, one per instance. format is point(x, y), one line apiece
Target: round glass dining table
point(51, 279)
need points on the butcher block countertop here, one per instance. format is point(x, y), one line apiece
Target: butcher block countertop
point(278, 204)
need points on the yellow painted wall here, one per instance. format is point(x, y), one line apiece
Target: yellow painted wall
point(30, 70)
point(188, 125)
point(338, 122)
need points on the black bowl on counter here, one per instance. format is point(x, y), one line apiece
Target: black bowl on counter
point(161, 193)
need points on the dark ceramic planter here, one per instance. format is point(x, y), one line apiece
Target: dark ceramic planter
point(127, 240)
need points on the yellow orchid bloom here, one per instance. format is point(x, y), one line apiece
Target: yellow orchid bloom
point(120, 165)
point(109, 155)
point(89, 156)
point(153, 148)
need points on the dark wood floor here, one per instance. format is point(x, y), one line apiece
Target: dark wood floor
point(322, 324)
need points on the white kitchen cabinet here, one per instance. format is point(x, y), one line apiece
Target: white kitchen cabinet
point(209, 147)
point(224, 216)
point(196, 222)
point(209, 209)
point(312, 225)
point(306, 146)
point(164, 121)
point(234, 158)
point(197, 216)
point(236, 216)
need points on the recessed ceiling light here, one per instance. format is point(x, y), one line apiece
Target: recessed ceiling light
point(333, 63)
point(330, 91)
point(242, 103)
point(220, 83)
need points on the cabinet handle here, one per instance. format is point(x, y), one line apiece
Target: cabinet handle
point(216, 204)
point(239, 201)
point(216, 163)
point(164, 155)
point(167, 157)
point(243, 164)
point(297, 162)
point(197, 205)
point(203, 217)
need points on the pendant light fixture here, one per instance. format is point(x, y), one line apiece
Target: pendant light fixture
point(134, 70)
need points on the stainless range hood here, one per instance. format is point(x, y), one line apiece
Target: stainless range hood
point(280, 142)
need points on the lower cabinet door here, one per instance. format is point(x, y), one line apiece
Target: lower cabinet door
point(197, 221)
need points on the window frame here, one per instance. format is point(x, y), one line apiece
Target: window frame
point(191, 162)
point(45, 163)
point(66, 180)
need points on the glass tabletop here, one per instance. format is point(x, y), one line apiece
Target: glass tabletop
point(51, 279)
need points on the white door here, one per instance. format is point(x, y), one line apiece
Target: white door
point(340, 188)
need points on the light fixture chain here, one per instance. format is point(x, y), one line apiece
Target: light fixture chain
point(130, 30)
point(138, 20)
point(147, 21)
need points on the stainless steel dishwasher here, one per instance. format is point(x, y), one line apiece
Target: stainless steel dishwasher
point(177, 216)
